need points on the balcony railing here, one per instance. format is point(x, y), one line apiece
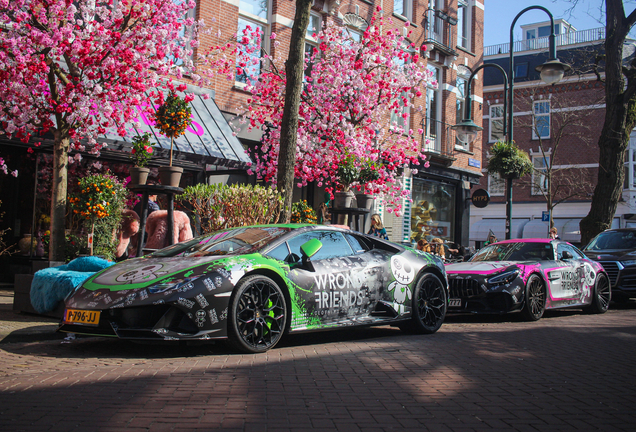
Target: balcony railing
point(542, 43)
point(441, 140)
point(437, 30)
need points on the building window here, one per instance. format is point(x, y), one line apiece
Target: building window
point(400, 119)
point(460, 96)
point(403, 8)
point(521, 70)
point(539, 177)
point(541, 120)
point(495, 123)
point(433, 210)
point(496, 185)
point(314, 27)
point(630, 164)
point(432, 125)
point(185, 32)
point(253, 18)
point(257, 8)
point(463, 24)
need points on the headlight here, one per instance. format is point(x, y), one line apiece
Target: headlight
point(628, 263)
point(504, 278)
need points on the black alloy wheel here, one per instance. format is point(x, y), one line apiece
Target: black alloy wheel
point(601, 295)
point(429, 305)
point(258, 315)
point(534, 305)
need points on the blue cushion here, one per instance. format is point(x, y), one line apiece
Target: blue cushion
point(52, 285)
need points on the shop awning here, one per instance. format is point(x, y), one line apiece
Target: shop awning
point(570, 231)
point(536, 228)
point(210, 140)
point(210, 136)
point(480, 229)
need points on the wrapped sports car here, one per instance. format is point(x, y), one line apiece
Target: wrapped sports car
point(253, 284)
point(527, 276)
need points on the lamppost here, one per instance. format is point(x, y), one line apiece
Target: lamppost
point(551, 72)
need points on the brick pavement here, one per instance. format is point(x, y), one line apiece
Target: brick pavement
point(567, 372)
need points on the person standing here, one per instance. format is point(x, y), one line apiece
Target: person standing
point(553, 234)
point(377, 228)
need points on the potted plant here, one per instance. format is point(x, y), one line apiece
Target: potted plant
point(303, 213)
point(172, 118)
point(369, 172)
point(348, 173)
point(509, 161)
point(140, 155)
point(99, 202)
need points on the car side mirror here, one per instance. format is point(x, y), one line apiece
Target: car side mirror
point(308, 250)
point(566, 255)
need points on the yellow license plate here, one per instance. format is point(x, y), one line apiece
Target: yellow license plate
point(77, 316)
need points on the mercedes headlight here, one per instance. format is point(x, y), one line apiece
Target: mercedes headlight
point(504, 278)
point(628, 263)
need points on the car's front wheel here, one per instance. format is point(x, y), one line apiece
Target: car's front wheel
point(258, 314)
point(601, 295)
point(535, 301)
point(429, 305)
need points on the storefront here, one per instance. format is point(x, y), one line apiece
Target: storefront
point(208, 152)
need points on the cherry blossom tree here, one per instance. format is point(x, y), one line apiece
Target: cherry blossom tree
point(346, 107)
point(78, 68)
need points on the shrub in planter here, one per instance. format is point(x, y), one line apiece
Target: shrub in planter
point(221, 206)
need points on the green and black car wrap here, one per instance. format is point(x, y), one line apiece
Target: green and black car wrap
point(205, 289)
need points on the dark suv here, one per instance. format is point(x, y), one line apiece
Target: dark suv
point(615, 249)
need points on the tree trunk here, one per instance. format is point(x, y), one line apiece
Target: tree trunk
point(57, 244)
point(294, 69)
point(619, 122)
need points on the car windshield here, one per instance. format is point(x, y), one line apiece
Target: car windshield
point(517, 251)
point(235, 241)
point(613, 240)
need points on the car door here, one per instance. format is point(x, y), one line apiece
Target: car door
point(341, 285)
point(568, 288)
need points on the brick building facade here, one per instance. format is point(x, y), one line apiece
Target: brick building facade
point(449, 35)
point(558, 125)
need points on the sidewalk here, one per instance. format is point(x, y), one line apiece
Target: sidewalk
point(21, 327)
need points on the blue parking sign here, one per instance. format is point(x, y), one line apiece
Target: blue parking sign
point(545, 216)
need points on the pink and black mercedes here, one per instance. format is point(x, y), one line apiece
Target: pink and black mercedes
point(527, 276)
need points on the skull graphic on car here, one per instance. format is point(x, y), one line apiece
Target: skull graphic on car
point(143, 274)
point(404, 274)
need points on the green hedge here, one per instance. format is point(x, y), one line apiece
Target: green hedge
point(221, 206)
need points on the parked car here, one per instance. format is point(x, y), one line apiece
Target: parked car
point(527, 276)
point(251, 285)
point(615, 249)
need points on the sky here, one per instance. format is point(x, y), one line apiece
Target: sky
point(500, 13)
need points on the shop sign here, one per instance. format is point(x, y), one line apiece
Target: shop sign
point(480, 198)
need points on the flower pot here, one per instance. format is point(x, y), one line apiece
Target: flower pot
point(342, 199)
point(170, 175)
point(26, 243)
point(365, 200)
point(139, 175)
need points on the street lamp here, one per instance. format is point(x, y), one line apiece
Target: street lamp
point(467, 130)
point(551, 72)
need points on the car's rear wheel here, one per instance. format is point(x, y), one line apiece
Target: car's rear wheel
point(601, 296)
point(534, 305)
point(429, 305)
point(258, 314)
